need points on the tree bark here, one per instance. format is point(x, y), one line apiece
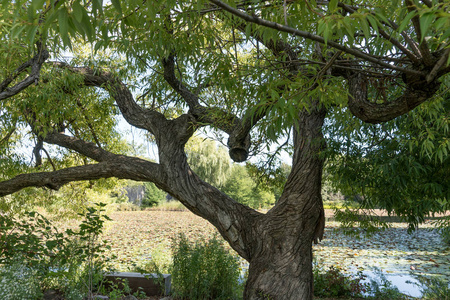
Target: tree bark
point(281, 261)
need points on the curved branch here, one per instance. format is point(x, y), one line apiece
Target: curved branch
point(134, 114)
point(371, 112)
point(35, 63)
point(313, 37)
point(54, 180)
point(87, 149)
point(239, 138)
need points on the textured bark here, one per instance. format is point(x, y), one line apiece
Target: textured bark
point(281, 255)
point(35, 63)
point(416, 92)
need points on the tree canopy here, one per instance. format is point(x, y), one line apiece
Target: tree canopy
point(363, 83)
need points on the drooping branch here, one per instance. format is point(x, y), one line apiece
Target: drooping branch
point(35, 63)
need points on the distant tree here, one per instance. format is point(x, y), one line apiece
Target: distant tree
point(153, 195)
point(241, 187)
point(208, 160)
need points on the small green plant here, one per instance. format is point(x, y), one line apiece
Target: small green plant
point(434, 288)
point(334, 283)
point(72, 262)
point(204, 270)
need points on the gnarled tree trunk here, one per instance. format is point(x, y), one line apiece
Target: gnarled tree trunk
point(281, 262)
point(278, 244)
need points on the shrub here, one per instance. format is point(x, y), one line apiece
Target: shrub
point(72, 262)
point(204, 270)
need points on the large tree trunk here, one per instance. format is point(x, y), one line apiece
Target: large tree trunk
point(277, 245)
point(281, 262)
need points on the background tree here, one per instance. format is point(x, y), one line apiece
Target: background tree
point(208, 160)
point(254, 72)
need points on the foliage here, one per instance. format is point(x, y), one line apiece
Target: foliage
point(434, 288)
point(355, 220)
point(204, 270)
point(402, 159)
point(270, 178)
point(241, 187)
point(208, 160)
point(72, 262)
point(19, 281)
point(333, 283)
point(153, 195)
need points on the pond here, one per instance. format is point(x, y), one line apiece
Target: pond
point(399, 256)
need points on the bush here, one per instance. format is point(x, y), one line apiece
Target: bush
point(204, 270)
point(153, 195)
point(72, 262)
point(334, 283)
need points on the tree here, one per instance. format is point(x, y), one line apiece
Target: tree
point(241, 187)
point(209, 161)
point(254, 71)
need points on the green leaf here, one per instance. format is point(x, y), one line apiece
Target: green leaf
point(373, 22)
point(63, 21)
point(16, 30)
point(116, 4)
point(77, 11)
point(365, 27)
point(406, 20)
point(97, 6)
point(332, 5)
point(37, 4)
point(32, 33)
point(425, 21)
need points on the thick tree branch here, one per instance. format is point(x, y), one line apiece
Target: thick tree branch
point(371, 112)
point(313, 37)
point(35, 63)
point(134, 114)
point(87, 149)
point(54, 180)
point(438, 66)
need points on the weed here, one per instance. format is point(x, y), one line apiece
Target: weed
point(73, 262)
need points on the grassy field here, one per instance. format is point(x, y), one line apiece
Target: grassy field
point(138, 237)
